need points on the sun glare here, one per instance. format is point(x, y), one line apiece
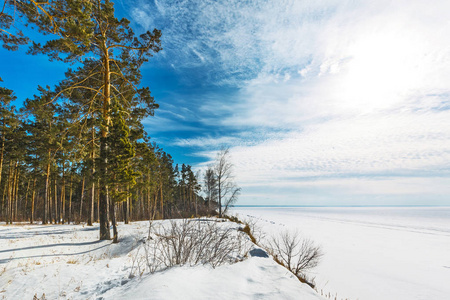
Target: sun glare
point(380, 72)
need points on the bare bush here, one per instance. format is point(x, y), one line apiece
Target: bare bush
point(255, 230)
point(295, 253)
point(191, 242)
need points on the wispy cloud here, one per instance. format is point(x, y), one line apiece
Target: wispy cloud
point(350, 92)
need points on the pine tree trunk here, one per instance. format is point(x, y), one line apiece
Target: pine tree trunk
point(70, 200)
point(162, 203)
point(92, 206)
point(56, 202)
point(98, 203)
point(3, 205)
point(25, 206)
point(91, 215)
point(46, 196)
point(154, 208)
point(104, 224)
point(103, 206)
point(113, 221)
point(142, 205)
point(15, 191)
point(2, 151)
point(9, 207)
point(149, 204)
point(33, 195)
point(127, 210)
point(50, 202)
point(82, 196)
point(62, 215)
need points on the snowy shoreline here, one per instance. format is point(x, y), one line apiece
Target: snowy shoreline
point(68, 262)
point(371, 253)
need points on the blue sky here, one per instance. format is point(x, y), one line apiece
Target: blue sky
point(321, 102)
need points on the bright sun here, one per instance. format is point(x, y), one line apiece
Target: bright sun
point(380, 72)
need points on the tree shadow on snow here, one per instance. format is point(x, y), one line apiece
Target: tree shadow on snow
point(41, 230)
point(2, 261)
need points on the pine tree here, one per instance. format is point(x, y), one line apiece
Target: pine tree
point(121, 175)
point(9, 35)
point(45, 134)
point(90, 29)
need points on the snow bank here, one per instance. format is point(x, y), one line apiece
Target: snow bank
point(68, 262)
point(371, 253)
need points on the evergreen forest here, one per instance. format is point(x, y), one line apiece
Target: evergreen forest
point(78, 151)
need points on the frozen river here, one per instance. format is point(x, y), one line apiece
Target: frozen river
point(371, 253)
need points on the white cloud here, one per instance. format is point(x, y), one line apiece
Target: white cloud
point(359, 87)
point(207, 142)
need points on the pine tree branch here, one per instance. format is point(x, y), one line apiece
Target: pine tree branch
point(74, 86)
point(129, 47)
point(124, 78)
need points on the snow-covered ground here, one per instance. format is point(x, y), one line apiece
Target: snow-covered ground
point(372, 253)
point(68, 262)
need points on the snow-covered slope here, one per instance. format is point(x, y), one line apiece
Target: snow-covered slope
point(68, 262)
point(371, 253)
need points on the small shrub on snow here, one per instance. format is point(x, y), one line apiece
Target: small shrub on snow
point(191, 242)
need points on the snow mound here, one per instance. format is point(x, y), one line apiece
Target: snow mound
point(68, 262)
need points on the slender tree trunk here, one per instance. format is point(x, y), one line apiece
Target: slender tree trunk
point(184, 196)
point(46, 196)
point(15, 191)
point(2, 151)
point(4, 205)
point(209, 200)
point(82, 196)
point(149, 203)
point(56, 201)
point(70, 200)
point(155, 205)
point(62, 215)
point(142, 202)
point(103, 209)
point(33, 197)
point(113, 220)
point(9, 207)
point(162, 203)
point(98, 202)
point(91, 215)
point(127, 210)
point(25, 209)
point(92, 206)
point(220, 198)
point(104, 224)
point(195, 204)
point(50, 202)
point(1, 170)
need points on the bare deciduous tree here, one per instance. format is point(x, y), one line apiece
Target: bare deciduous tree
point(227, 190)
point(296, 254)
point(210, 186)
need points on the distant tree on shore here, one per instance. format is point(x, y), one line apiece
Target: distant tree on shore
point(210, 186)
point(227, 190)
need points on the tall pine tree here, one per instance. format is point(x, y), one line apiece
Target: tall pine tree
point(90, 29)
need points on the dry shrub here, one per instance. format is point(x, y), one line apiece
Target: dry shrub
point(295, 253)
point(246, 229)
point(190, 242)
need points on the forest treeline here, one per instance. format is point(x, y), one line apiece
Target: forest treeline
point(78, 152)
